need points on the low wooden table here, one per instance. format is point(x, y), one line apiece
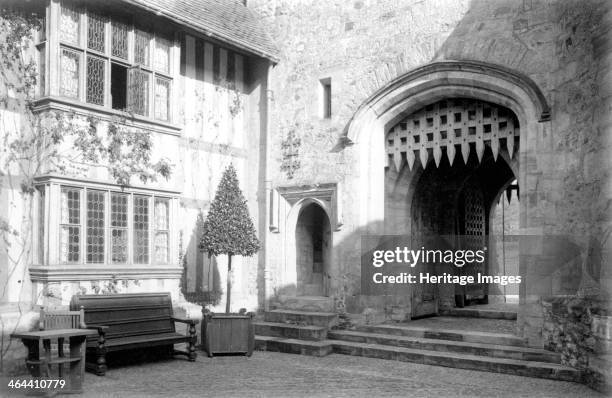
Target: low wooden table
point(74, 363)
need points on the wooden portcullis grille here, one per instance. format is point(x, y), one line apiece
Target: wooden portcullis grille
point(453, 125)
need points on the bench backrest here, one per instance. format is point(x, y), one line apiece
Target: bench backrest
point(127, 314)
point(61, 319)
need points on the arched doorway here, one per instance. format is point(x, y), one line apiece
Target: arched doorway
point(465, 151)
point(313, 249)
point(366, 139)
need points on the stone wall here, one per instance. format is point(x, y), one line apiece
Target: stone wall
point(564, 47)
point(573, 327)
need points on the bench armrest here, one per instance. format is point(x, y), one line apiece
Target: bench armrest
point(100, 328)
point(184, 320)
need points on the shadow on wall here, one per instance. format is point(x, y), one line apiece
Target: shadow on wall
point(207, 285)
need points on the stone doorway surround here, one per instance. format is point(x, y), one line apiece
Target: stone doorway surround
point(286, 205)
point(434, 82)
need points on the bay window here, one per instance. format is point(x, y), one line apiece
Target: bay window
point(104, 226)
point(108, 61)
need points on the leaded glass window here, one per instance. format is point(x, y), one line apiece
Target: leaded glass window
point(138, 95)
point(162, 98)
point(162, 241)
point(107, 61)
point(69, 84)
point(141, 229)
point(95, 226)
point(162, 55)
point(70, 225)
point(95, 80)
point(120, 39)
point(119, 228)
point(69, 24)
point(96, 37)
point(142, 42)
point(99, 226)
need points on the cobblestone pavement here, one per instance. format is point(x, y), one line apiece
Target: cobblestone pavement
point(269, 374)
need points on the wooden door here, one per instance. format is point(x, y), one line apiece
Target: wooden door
point(474, 237)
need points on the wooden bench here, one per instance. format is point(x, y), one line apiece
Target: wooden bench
point(128, 321)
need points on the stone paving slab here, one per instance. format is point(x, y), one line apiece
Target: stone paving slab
point(271, 375)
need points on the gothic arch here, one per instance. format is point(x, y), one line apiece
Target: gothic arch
point(427, 84)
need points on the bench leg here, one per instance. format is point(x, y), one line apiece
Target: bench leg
point(100, 365)
point(192, 342)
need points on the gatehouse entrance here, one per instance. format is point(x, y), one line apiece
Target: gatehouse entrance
point(465, 150)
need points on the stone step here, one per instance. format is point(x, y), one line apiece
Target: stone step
point(325, 319)
point(479, 313)
point(446, 334)
point(293, 346)
point(304, 303)
point(488, 350)
point(459, 360)
point(290, 331)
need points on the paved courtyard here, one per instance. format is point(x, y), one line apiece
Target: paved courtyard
point(269, 374)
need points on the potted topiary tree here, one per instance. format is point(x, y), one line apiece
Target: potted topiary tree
point(228, 230)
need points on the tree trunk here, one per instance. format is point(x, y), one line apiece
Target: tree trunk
point(229, 284)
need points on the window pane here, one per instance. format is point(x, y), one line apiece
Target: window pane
point(96, 32)
point(95, 226)
point(120, 41)
point(119, 250)
point(162, 98)
point(70, 244)
point(119, 223)
point(142, 42)
point(161, 247)
point(161, 230)
point(95, 80)
point(139, 92)
point(69, 25)
point(119, 210)
point(69, 85)
point(141, 229)
point(71, 206)
point(162, 54)
point(161, 213)
point(70, 219)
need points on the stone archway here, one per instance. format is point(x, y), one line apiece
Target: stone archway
point(427, 85)
point(301, 220)
point(313, 249)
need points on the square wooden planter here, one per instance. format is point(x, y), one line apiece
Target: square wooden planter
point(228, 333)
